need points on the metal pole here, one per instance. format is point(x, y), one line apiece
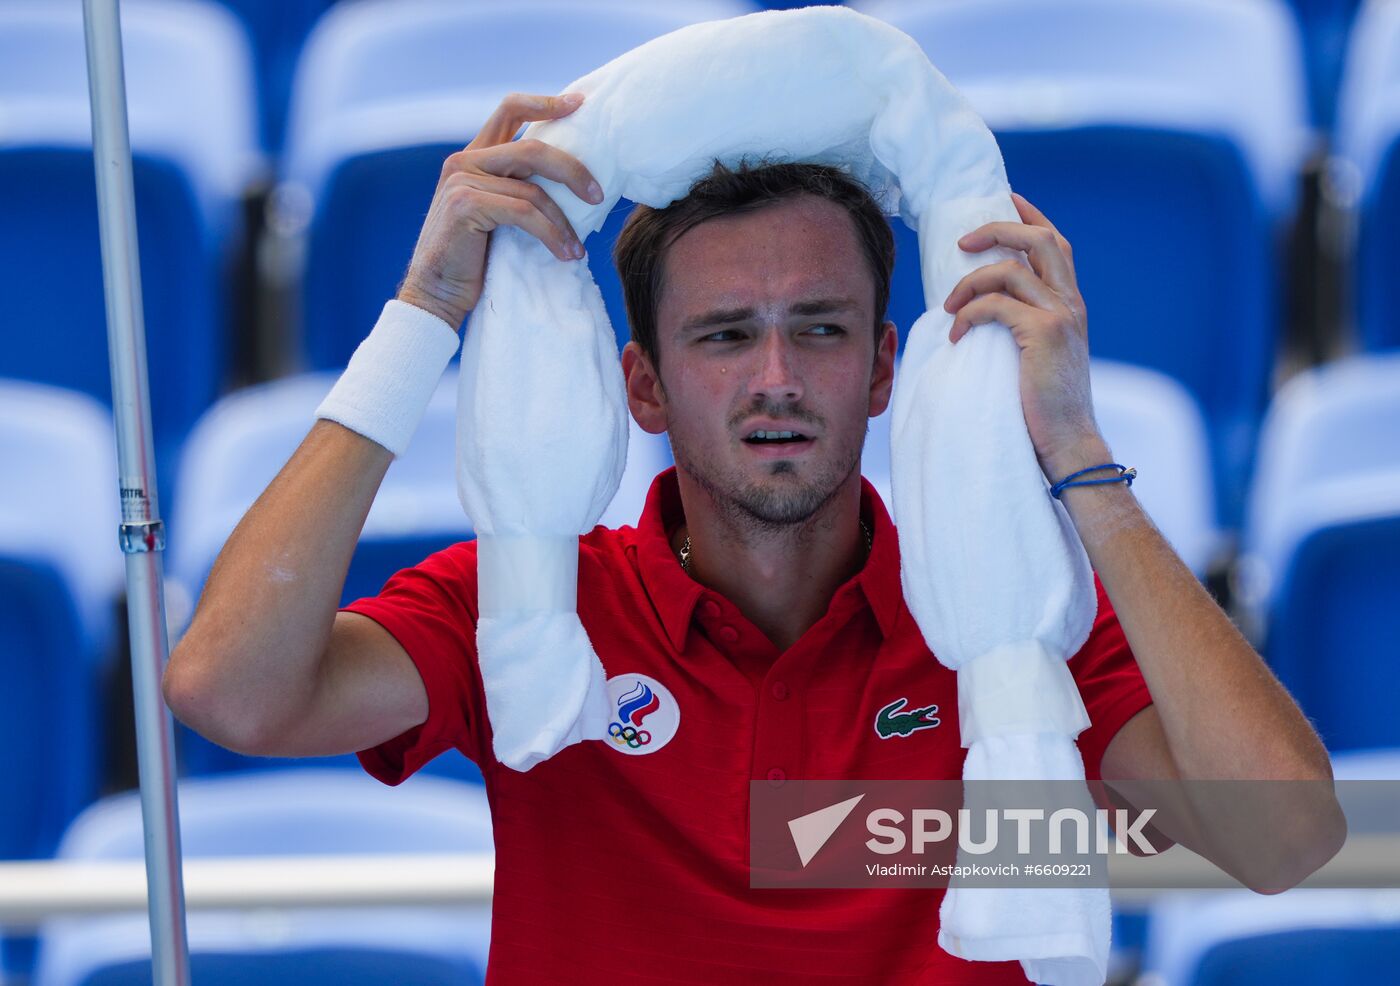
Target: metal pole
point(142, 535)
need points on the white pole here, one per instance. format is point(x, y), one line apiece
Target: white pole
point(142, 535)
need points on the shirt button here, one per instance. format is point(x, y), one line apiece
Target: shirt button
point(728, 634)
point(776, 777)
point(779, 690)
point(710, 608)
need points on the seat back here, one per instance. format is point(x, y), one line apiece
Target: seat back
point(1303, 936)
point(191, 124)
point(383, 94)
point(1151, 422)
point(60, 579)
point(300, 812)
point(1366, 170)
point(1325, 424)
point(1334, 632)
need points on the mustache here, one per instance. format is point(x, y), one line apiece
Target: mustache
point(784, 412)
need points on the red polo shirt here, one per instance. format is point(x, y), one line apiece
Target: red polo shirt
point(633, 866)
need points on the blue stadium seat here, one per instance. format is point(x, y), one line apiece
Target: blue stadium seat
point(1324, 26)
point(277, 29)
point(192, 134)
point(1378, 764)
point(1302, 937)
point(60, 578)
point(1165, 139)
point(386, 89)
point(1366, 171)
point(1322, 546)
point(1299, 938)
point(1151, 422)
point(294, 813)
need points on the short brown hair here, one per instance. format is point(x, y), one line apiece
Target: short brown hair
point(648, 233)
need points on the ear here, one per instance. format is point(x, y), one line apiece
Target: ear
point(645, 397)
point(882, 376)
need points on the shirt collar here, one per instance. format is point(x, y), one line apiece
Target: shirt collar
point(675, 594)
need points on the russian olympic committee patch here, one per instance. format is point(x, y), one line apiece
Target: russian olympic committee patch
point(645, 714)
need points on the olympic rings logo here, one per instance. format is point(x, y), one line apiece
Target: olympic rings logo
point(628, 736)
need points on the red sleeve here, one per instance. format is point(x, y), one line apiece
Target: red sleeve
point(1109, 681)
point(431, 610)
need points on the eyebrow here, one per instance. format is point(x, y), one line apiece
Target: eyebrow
point(731, 316)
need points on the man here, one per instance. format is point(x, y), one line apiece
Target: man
point(752, 625)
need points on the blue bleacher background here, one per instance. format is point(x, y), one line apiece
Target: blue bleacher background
point(1228, 172)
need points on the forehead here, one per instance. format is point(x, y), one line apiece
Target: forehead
point(803, 247)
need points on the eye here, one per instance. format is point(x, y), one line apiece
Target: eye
point(835, 329)
point(714, 336)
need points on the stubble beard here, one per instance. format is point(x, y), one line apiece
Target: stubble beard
point(778, 502)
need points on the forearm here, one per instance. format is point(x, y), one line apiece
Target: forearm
point(1224, 713)
point(249, 659)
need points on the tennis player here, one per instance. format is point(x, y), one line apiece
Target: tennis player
point(752, 625)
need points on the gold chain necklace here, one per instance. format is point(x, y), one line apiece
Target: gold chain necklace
point(685, 546)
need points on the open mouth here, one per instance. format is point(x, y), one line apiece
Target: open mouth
point(762, 438)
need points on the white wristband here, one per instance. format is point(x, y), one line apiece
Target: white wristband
point(392, 375)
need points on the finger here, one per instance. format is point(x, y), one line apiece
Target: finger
point(991, 308)
point(1034, 217)
point(1047, 257)
point(525, 158)
point(520, 108)
point(1011, 277)
point(529, 192)
point(489, 210)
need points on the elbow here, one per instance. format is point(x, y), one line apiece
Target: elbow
point(195, 700)
point(1316, 835)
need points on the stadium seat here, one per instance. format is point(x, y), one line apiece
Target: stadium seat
point(287, 813)
point(1301, 937)
point(277, 29)
point(1379, 764)
point(1165, 139)
point(1322, 546)
point(60, 578)
point(385, 90)
point(1151, 422)
point(192, 131)
point(1324, 26)
point(1366, 171)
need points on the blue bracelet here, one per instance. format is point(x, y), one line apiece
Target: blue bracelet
point(1125, 475)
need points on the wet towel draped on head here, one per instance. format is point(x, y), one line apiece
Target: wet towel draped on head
point(992, 569)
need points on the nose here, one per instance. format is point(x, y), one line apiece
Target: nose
point(775, 378)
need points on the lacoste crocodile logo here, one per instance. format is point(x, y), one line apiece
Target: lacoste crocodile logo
point(890, 721)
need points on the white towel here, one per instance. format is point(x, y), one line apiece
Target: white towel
point(993, 571)
point(541, 446)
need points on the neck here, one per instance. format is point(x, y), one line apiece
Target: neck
point(782, 578)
